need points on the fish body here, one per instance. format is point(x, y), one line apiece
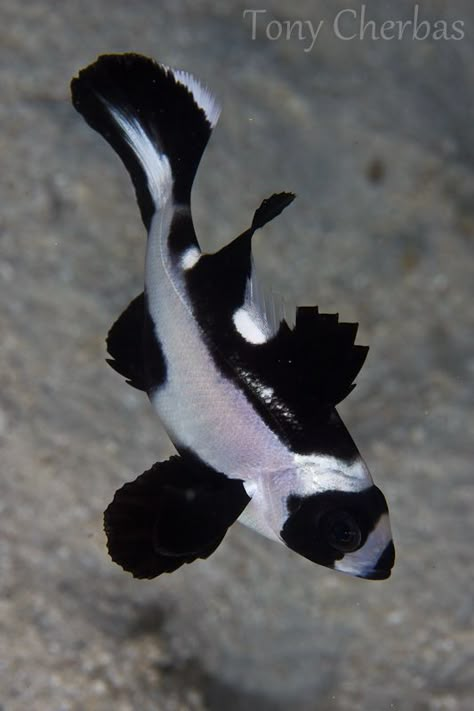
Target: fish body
point(248, 401)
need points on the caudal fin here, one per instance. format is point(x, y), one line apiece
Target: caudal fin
point(157, 119)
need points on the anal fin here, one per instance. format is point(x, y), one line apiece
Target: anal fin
point(125, 343)
point(135, 348)
point(174, 513)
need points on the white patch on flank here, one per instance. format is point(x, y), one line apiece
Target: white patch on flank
point(248, 326)
point(202, 96)
point(190, 257)
point(364, 561)
point(155, 164)
point(319, 473)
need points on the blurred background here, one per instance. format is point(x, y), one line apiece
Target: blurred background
point(376, 138)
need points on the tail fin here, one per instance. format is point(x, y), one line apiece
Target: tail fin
point(158, 121)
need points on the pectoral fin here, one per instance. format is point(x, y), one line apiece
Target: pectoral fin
point(174, 513)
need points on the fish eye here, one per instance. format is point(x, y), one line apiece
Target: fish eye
point(341, 531)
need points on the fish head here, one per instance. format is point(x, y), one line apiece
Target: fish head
point(337, 517)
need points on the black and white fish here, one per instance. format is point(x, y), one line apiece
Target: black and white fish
point(247, 400)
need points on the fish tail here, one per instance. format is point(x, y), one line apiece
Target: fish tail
point(157, 119)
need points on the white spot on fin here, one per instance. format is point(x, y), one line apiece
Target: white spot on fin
point(202, 96)
point(155, 164)
point(190, 257)
point(260, 316)
point(248, 326)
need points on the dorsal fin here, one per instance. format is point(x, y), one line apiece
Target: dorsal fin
point(271, 207)
point(221, 283)
point(295, 375)
point(298, 376)
point(326, 353)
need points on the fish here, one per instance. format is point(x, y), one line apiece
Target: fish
point(246, 395)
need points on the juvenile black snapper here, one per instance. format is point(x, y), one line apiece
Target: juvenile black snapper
point(248, 401)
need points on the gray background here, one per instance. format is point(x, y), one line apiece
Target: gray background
point(376, 138)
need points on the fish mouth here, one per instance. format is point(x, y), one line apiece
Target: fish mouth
point(380, 571)
point(384, 565)
point(377, 574)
